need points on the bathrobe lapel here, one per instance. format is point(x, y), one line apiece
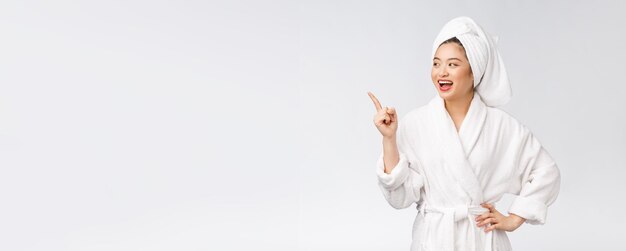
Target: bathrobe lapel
point(456, 147)
point(472, 125)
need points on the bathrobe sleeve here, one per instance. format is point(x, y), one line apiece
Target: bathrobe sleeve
point(540, 180)
point(401, 187)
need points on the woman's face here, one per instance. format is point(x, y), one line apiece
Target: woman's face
point(451, 72)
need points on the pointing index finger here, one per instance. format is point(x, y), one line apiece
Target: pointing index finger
point(375, 100)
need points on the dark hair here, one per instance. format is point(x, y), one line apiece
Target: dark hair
point(453, 40)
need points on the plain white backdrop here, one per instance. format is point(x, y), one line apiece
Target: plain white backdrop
point(245, 125)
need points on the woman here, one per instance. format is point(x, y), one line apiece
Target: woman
point(457, 155)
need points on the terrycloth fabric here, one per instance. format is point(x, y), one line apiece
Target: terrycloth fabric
point(490, 78)
point(449, 174)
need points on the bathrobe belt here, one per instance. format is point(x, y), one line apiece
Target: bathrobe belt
point(448, 223)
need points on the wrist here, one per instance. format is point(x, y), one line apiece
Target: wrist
point(516, 218)
point(391, 138)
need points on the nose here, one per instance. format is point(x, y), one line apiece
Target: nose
point(443, 72)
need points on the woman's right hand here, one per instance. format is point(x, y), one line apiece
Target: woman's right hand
point(385, 119)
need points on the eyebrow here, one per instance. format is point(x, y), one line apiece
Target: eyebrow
point(448, 59)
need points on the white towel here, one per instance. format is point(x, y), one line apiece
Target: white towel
point(491, 81)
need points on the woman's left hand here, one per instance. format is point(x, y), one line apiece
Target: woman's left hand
point(497, 220)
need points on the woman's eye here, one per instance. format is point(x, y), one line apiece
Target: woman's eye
point(451, 64)
point(435, 64)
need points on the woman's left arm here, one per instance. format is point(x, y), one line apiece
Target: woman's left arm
point(540, 183)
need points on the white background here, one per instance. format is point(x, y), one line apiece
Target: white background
point(240, 125)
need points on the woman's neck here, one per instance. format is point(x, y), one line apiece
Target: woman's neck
point(458, 109)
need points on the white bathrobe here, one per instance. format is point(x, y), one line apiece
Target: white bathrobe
point(449, 174)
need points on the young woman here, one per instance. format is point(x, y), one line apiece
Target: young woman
point(457, 155)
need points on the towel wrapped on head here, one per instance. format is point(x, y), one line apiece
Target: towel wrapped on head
point(491, 81)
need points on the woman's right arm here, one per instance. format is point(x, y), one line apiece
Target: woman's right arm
point(386, 121)
point(399, 183)
point(390, 153)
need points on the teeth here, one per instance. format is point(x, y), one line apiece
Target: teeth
point(445, 82)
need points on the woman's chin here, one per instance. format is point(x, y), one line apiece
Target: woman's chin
point(445, 95)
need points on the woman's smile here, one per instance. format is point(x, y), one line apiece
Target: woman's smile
point(445, 85)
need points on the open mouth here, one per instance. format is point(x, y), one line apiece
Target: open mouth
point(445, 85)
